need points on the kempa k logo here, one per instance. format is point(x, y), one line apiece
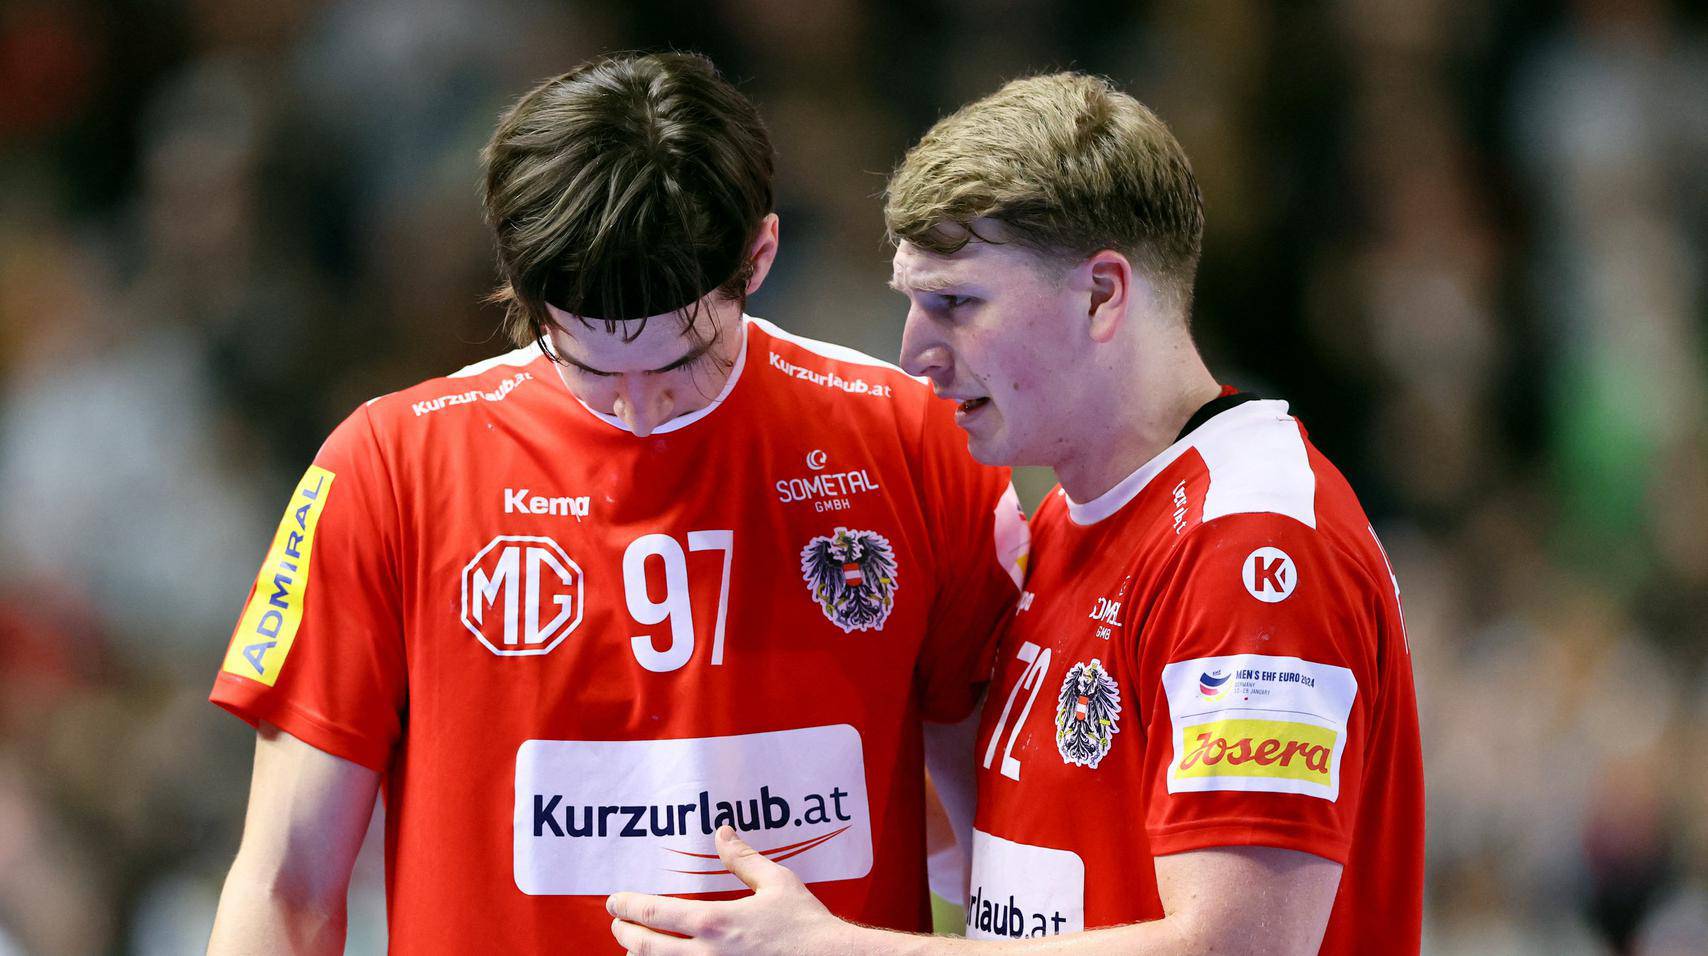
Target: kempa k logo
point(1269, 575)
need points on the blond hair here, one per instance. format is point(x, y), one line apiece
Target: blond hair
point(1069, 165)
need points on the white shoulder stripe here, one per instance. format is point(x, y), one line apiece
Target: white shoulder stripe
point(840, 353)
point(516, 358)
point(1256, 459)
point(1258, 464)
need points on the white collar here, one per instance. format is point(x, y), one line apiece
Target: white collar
point(680, 421)
point(1129, 487)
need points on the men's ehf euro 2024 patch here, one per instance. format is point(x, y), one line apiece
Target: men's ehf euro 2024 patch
point(853, 577)
point(1088, 714)
point(1258, 723)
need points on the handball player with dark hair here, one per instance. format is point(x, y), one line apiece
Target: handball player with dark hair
point(664, 568)
point(1202, 734)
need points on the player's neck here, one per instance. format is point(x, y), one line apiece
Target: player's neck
point(1137, 423)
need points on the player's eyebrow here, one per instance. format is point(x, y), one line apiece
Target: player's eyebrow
point(693, 355)
point(929, 284)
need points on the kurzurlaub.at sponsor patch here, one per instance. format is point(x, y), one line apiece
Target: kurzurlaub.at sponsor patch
point(1020, 891)
point(269, 623)
point(598, 816)
point(1257, 722)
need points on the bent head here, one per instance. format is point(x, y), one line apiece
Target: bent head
point(649, 370)
point(1045, 235)
point(631, 204)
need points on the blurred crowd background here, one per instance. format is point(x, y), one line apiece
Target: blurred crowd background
point(1465, 240)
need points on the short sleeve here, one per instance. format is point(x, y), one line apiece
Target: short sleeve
point(1257, 659)
point(318, 650)
point(980, 540)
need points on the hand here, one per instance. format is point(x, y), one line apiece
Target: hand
point(781, 916)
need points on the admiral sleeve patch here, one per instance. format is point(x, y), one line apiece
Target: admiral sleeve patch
point(269, 624)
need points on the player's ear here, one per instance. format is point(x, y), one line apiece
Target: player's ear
point(762, 252)
point(1108, 279)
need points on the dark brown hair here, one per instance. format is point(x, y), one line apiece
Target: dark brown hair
point(1069, 165)
point(630, 186)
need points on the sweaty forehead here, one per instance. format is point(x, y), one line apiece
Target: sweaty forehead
point(919, 270)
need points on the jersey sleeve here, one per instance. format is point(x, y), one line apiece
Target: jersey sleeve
point(980, 541)
point(1258, 664)
point(318, 650)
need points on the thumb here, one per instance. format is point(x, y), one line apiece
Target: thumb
point(748, 864)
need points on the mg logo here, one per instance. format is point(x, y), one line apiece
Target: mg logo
point(521, 595)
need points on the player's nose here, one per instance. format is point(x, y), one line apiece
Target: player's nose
point(923, 353)
point(643, 405)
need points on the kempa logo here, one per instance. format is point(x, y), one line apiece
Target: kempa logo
point(1269, 575)
point(517, 501)
point(507, 587)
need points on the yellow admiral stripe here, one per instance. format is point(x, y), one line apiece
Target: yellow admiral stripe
point(269, 624)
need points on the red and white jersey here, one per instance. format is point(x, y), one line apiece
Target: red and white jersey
point(1210, 654)
point(574, 652)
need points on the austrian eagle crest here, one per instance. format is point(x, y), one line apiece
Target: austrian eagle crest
point(1088, 712)
point(852, 576)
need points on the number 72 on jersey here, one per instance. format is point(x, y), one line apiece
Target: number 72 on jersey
point(1037, 661)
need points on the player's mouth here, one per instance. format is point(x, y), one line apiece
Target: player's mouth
point(970, 407)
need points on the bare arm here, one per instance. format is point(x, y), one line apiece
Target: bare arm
point(1224, 900)
point(308, 812)
point(950, 801)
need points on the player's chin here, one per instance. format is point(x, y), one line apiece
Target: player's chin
point(989, 446)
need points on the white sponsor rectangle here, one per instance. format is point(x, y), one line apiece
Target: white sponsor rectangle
point(1256, 722)
point(1018, 890)
point(597, 816)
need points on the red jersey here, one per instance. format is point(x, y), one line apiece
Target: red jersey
point(1210, 654)
point(574, 652)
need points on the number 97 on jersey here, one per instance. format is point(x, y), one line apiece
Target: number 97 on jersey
point(523, 594)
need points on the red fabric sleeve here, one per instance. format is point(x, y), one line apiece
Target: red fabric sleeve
point(1256, 666)
point(319, 650)
point(980, 540)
